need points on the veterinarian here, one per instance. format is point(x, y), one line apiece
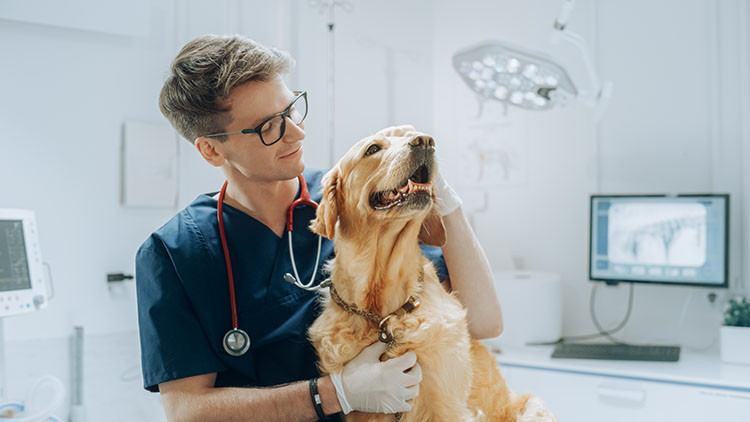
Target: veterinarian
point(216, 88)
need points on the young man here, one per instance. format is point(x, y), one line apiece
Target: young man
point(226, 94)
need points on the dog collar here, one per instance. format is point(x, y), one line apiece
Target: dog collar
point(384, 335)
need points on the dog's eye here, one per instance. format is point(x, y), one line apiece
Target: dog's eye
point(372, 149)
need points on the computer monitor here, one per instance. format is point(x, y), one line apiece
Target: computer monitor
point(22, 287)
point(663, 239)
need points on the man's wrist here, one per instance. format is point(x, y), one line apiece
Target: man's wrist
point(328, 396)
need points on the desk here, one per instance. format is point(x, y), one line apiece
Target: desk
point(697, 388)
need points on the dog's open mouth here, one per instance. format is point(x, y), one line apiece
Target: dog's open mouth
point(418, 185)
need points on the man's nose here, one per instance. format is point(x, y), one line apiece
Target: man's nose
point(293, 132)
point(422, 142)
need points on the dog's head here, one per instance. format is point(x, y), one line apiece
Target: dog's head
point(383, 179)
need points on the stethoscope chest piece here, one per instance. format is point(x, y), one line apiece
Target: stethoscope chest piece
point(236, 342)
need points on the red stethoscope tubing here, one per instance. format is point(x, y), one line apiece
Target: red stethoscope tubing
point(227, 260)
point(304, 199)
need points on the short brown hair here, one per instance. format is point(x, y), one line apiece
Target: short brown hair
point(203, 74)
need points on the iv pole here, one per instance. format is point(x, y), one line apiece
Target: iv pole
point(322, 5)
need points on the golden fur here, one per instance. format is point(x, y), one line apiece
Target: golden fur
point(376, 269)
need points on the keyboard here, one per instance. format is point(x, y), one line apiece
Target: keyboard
point(616, 352)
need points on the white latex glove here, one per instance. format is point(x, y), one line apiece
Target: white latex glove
point(447, 199)
point(368, 385)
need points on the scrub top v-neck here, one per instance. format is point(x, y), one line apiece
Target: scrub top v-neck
point(183, 296)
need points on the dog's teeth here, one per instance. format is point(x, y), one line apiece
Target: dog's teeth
point(411, 186)
point(427, 187)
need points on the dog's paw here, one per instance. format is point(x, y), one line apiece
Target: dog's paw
point(535, 411)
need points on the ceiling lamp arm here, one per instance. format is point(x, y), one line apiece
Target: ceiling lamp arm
point(600, 91)
point(564, 15)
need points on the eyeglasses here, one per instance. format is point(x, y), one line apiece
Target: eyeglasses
point(272, 129)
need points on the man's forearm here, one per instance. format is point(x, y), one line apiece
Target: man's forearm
point(471, 277)
point(290, 402)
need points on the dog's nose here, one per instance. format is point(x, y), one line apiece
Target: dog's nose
point(422, 141)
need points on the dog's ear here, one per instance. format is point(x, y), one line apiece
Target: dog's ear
point(327, 213)
point(432, 231)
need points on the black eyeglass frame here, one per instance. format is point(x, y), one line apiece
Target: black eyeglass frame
point(285, 114)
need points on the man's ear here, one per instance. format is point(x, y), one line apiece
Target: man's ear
point(327, 213)
point(207, 148)
point(432, 231)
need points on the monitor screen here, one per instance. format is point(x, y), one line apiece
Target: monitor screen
point(680, 239)
point(14, 266)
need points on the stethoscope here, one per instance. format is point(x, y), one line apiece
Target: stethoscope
point(236, 341)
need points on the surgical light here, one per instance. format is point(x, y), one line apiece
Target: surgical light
point(515, 75)
point(535, 82)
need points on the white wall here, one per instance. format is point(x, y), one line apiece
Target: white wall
point(66, 93)
point(542, 217)
point(382, 76)
point(677, 122)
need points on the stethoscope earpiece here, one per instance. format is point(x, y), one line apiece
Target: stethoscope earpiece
point(290, 279)
point(323, 284)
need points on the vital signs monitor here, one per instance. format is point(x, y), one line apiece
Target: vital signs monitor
point(22, 285)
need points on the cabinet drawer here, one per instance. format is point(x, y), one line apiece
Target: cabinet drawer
point(576, 397)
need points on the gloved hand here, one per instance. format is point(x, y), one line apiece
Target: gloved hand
point(368, 385)
point(447, 199)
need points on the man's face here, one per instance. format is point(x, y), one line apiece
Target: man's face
point(250, 104)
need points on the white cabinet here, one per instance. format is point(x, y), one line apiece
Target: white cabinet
point(591, 398)
point(698, 388)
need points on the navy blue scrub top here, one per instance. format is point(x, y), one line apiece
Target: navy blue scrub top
point(183, 296)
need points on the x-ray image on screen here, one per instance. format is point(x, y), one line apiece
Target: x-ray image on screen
point(675, 239)
point(658, 234)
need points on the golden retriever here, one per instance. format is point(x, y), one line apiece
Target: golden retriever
point(377, 205)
